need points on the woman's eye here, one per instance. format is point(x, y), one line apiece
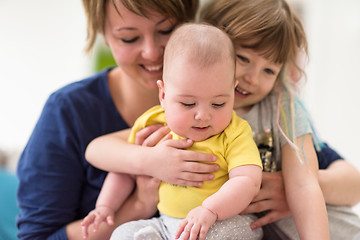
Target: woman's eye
point(218, 105)
point(243, 59)
point(168, 31)
point(129, 40)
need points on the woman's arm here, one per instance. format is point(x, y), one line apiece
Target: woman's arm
point(339, 183)
point(140, 205)
point(303, 191)
point(167, 160)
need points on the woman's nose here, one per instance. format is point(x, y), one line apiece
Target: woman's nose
point(153, 49)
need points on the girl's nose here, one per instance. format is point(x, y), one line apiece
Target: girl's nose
point(152, 49)
point(251, 76)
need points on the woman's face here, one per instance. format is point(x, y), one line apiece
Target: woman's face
point(256, 76)
point(137, 43)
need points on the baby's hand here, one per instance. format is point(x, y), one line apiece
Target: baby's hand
point(96, 216)
point(196, 224)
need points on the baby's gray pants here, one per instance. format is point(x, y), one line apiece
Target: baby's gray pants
point(164, 228)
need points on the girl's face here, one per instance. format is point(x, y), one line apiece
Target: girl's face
point(198, 102)
point(256, 78)
point(137, 43)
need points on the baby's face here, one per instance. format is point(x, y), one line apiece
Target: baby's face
point(198, 102)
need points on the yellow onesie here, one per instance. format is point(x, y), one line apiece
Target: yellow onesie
point(233, 147)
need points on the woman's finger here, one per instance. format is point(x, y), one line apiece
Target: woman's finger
point(151, 135)
point(270, 217)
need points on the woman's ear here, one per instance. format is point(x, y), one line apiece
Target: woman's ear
point(160, 84)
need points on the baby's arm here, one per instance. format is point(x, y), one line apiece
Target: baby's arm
point(303, 192)
point(116, 189)
point(232, 198)
point(113, 153)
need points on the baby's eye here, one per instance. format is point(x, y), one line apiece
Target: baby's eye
point(242, 58)
point(218, 105)
point(129, 40)
point(188, 104)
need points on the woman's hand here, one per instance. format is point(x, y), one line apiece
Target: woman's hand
point(147, 194)
point(271, 200)
point(174, 164)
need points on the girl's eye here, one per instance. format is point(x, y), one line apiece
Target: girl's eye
point(130, 40)
point(188, 104)
point(269, 71)
point(166, 32)
point(243, 59)
point(218, 105)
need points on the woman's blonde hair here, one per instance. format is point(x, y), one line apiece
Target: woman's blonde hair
point(269, 27)
point(181, 10)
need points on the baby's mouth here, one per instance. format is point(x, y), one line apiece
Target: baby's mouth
point(201, 128)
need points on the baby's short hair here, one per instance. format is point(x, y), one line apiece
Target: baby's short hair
point(201, 44)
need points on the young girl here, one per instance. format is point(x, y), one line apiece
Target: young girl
point(268, 38)
point(196, 96)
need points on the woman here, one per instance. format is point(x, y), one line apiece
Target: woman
point(57, 185)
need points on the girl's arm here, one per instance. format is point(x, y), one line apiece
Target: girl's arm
point(303, 191)
point(338, 183)
point(167, 160)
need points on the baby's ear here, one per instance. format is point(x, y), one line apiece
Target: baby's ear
point(236, 82)
point(160, 84)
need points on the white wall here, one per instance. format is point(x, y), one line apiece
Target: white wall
point(332, 89)
point(332, 92)
point(41, 49)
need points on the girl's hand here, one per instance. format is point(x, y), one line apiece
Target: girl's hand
point(271, 199)
point(196, 224)
point(170, 162)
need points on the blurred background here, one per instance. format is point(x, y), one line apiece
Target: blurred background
point(42, 48)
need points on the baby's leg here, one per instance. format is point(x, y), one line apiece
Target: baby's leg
point(140, 230)
point(235, 228)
